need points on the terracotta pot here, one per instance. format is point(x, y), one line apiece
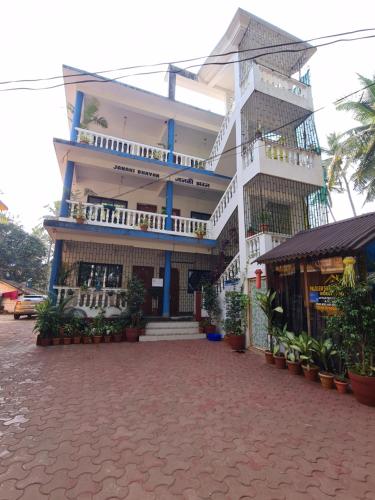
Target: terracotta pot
point(77, 340)
point(210, 329)
point(201, 329)
point(269, 357)
point(326, 379)
point(143, 228)
point(117, 337)
point(132, 334)
point(280, 361)
point(87, 340)
point(341, 386)
point(199, 236)
point(294, 367)
point(44, 342)
point(67, 340)
point(312, 373)
point(55, 341)
point(251, 233)
point(264, 228)
point(97, 339)
point(80, 220)
point(363, 388)
point(142, 331)
point(107, 339)
point(237, 342)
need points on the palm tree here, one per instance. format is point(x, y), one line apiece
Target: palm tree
point(90, 114)
point(363, 138)
point(337, 164)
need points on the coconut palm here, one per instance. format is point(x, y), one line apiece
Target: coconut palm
point(363, 137)
point(340, 158)
point(90, 114)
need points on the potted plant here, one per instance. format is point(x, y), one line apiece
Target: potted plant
point(143, 223)
point(292, 355)
point(87, 335)
point(107, 333)
point(306, 346)
point(79, 213)
point(68, 333)
point(56, 338)
point(46, 322)
point(157, 155)
point(117, 329)
point(85, 139)
point(135, 297)
point(250, 232)
point(324, 350)
point(278, 356)
point(200, 232)
point(354, 325)
point(264, 221)
point(266, 301)
point(98, 327)
point(203, 324)
point(78, 327)
point(236, 319)
point(210, 303)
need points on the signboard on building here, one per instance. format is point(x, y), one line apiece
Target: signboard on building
point(319, 294)
point(157, 282)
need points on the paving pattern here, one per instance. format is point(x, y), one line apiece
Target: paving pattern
point(172, 420)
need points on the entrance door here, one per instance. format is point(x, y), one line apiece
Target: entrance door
point(145, 274)
point(175, 292)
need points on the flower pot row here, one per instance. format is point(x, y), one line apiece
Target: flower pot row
point(311, 372)
point(129, 335)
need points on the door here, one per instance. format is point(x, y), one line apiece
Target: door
point(145, 274)
point(175, 292)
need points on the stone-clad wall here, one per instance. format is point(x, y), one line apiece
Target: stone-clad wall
point(76, 251)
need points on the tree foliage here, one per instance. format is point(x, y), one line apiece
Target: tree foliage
point(22, 256)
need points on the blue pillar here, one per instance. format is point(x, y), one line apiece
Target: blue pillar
point(167, 283)
point(76, 115)
point(67, 188)
point(55, 267)
point(169, 205)
point(170, 140)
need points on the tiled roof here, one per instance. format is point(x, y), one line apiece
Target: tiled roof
point(345, 236)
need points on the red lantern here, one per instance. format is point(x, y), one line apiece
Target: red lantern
point(258, 278)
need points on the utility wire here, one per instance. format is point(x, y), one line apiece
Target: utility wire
point(337, 101)
point(225, 54)
point(181, 70)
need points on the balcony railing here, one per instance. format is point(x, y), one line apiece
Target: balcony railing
point(91, 299)
point(136, 148)
point(117, 216)
point(261, 243)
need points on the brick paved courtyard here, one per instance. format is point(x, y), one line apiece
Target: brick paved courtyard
point(172, 420)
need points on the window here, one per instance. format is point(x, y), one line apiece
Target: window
point(99, 275)
point(199, 215)
point(196, 279)
point(99, 200)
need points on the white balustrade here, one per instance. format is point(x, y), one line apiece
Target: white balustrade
point(293, 156)
point(224, 201)
point(136, 148)
point(253, 246)
point(117, 216)
point(91, 298)
point(280, 81)
point(220, 136)
point(232, 271)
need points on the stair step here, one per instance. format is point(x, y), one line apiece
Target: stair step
point(192, 336)
point(172, 331)
point(167, 325)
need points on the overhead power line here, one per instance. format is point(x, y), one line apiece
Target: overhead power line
point(181, 70)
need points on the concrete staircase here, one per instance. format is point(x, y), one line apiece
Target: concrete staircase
point(172, 330)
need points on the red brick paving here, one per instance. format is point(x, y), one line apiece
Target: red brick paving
point(172, 420)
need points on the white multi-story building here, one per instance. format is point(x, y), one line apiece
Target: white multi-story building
point(243, 182)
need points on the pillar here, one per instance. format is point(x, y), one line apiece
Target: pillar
point(55, 267)
point(170, 140)
point(169, 205)
point(76, 120)
point(167, 283)
point(67, 188)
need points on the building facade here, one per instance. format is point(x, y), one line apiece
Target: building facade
point(175, 194)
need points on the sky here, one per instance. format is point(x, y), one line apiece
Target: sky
point(38, 37)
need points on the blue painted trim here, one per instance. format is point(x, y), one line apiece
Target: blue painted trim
point(140, 158)
point(76, 120)
point(99, 77)
point(167, 283)
point(67, 188)
point(170, 140)
point(169, 205)
point(134, 233)
point(55, 267)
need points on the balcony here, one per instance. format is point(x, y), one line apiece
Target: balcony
point(276, 84)
point(259, 244)
point(125, 218)
point(121, 145)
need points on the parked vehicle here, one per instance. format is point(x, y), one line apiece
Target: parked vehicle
point(26, 305)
